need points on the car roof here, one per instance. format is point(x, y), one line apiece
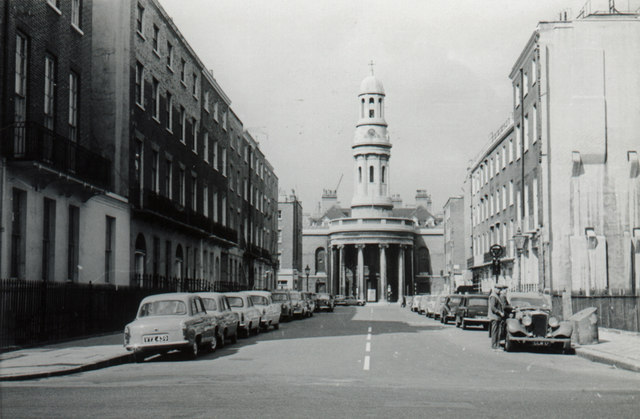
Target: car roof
point(168, 296)
point(209, 294)
point(257, 292)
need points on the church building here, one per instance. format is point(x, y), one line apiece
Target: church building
point(376, 250)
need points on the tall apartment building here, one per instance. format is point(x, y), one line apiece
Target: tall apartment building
point(290, 272)
point(62, 219)
point(454, 249)
point(181, 154)
point(573, 219)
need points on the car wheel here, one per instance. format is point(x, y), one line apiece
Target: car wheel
point(509, 345)
point(234, 338)
point(194, 349)
point(276, 326)
point(214, 343)
point(222, 339)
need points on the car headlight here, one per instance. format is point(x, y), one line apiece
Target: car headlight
point(526, 320)
point(553, 322)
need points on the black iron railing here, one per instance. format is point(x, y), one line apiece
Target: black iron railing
point(28, 141)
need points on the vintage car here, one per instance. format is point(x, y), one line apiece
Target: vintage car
point(415, 303)
point(270, 310)
point(170, 321)
point(217, 305)
point(424, 303)
point(430, 310)
point(248, 314)
point(310, 297)
point(472, 311)
point(340, 300)
point(324, 300)
point(531, 322)
point(282, 297)
point(437, 307)
point(299, 306)
point(448, 311)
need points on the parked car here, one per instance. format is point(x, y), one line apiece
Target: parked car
point(270, 310)
point(217, 305)
point(340, 300)
point(472, 311)
point(437, 307)
point(449, 308)
point(248, 314)
point(310, 297)
point(415, 304)
point(353, 301)
point(422, 306)
point(299, 306)
point(324, 300)
point(530, 322)
point(431, 306)
point(170, 321)
point(284, 299)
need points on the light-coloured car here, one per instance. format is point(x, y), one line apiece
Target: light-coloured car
point(217, 306)
point(299, 306)
point(248, 314)
point(270, 310)
point(170, 321)
point(424, 303)
point(310, 297)
point(415, 303)
point(437, 307)
point(325, 300)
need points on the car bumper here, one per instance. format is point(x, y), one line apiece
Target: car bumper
point(476, 320)
point(538, 340)
point(165, 346)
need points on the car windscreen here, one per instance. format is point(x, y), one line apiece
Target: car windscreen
point(259, 300)
point(235, 301)
point(323, 296)
point(210, 304)
point(296, 296)
point(163, 308)
point(455, 300)
point(279, 297)
point(478, 302)
point(529, 301)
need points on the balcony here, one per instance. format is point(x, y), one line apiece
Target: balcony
point(165, 207)
point(30, 142)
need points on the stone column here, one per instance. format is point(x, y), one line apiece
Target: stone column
point(383, 272)
point(400, 273)
point(342, 268)
point(360, 282)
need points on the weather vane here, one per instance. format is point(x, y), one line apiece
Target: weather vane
point(371, 64)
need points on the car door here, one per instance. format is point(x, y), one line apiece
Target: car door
point(230, 316)
point(252, 311)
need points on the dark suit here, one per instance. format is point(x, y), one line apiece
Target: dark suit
point(495, 314)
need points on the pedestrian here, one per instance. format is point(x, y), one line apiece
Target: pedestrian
point(404, 301)
point(495, 314)
point(505, 309)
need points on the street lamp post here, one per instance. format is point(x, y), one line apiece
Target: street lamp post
point(520, 240)
point(306, 271)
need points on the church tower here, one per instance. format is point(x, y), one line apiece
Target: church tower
point(371, 153)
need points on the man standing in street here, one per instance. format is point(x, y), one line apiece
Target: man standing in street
point(496, 314)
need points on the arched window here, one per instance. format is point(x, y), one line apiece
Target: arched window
point(140, 255)
point(380, 108)
point(179, 262)
point(371, 174)
point(360, 174)
point(383, 173)
point(424, 261)
point(362, 109)
point(320, 260)
point(372, 104)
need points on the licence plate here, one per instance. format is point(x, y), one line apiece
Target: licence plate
point(155, 338)
point(540, 343)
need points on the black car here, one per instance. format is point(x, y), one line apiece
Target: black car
point(324, 300)
point(472, 311)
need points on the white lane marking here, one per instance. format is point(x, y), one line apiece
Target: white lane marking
point(369, 330)
point(366, 363)
point(369, 336)
point(367, 348)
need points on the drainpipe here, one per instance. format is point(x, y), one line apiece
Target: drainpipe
point(522, 140)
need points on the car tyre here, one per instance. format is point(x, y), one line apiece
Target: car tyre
point(214, 343)
point(234, 338)
point(222, 337)
point(276, 326)
point(194, 349)
point(509, 344)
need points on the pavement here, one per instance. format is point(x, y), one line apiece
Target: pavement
point(616, 347)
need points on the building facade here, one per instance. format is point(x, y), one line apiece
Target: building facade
point(61, 217)
point(573, 217)
point(373, 250)
point(289, 240)
point(454, 249)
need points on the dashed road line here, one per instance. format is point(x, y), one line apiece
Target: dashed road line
point(367, 348)
point(366, 363)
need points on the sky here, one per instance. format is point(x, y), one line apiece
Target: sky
point(293, 68)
